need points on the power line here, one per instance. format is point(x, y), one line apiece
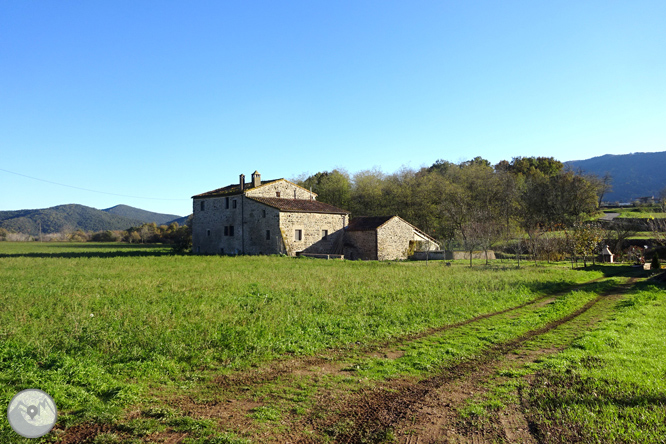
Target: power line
point(86, 189)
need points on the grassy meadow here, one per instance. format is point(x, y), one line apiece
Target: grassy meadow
point(102, 326)
point(609, 385)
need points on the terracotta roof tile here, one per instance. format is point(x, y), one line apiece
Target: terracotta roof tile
point(298, 205)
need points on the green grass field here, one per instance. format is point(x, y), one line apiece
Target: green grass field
point(610, 385)
point(638, 213)
point(101, 327)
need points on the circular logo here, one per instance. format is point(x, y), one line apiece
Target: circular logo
point(32, 413)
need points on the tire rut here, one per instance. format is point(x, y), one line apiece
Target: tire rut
point(326, 362)
point(425, 411)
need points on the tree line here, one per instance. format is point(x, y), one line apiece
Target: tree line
point(179, 237)
point(472, 204)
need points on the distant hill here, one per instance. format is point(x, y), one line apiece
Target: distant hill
point(71, 218)
point(180, 221)
point(139, 214)
point(634, 175)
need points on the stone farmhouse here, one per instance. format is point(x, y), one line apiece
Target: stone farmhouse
point(280, 217)
point(265, 217)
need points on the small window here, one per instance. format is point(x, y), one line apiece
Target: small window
point(268, 234)
point(203, 205)
point(294, 194)
point(208, 232)
point(234, 203)
point(198, 249)
point(298, 235)
point(277, 194)
point(226, 203)
point(263, 213)
point(324, 234)
point(226, 230)
point(231, 230)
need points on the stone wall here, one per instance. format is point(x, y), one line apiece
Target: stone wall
point(286, 189)
point(393, 240)
point(465, 255)
point(250, 221)
point(261, 229)
point(208, 226)
point(312, 226)
point(360, 245)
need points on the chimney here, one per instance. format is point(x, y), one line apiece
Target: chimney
point(256, 179)
point(242, 182)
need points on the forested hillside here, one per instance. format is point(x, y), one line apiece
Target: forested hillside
point(634, 175)
point(142, 215)
point(63, 218)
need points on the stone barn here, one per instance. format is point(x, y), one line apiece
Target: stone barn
point(265, 217)
point(384, 238)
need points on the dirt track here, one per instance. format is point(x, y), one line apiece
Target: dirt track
point(426, 411)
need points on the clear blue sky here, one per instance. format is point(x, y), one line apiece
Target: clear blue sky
point(166, 99)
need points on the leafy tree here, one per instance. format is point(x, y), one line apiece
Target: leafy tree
point(367, 193)
point(471, 203)
point(562, 199)
point(79, 236)
point(441, 166)
point(332, 187)
point(528, 166)
point(182, 239)
point(105, 236)
point(477, 161)
point(585, 239)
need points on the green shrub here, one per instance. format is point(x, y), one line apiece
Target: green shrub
point(655, 261)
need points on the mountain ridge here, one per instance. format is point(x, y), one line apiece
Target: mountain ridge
point(634, 175)
point(139, 214)
point(72, 217)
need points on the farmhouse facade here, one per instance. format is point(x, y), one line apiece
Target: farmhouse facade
point(280, 217)
point(384, 238)
point(265, 217)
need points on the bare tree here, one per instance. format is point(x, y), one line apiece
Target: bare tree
point(534, 235)
point(616, 234)
point(480, 233)
point(603, 185)
point(658, 228)
point(662, 200)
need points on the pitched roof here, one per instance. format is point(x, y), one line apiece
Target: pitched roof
point(232, 189)
point(367, 223)
point(298, 205)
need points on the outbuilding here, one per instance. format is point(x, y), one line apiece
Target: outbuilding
point(384, 238)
